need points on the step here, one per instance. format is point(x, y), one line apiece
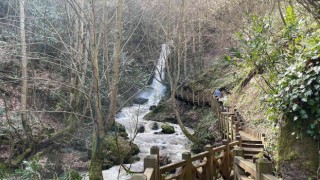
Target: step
point(246, 141)
point(248, 156)
point(250, 145)
point(252, 150)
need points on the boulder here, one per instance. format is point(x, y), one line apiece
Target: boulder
point(140, 100)
point(164, 159)
point(152, 107)
point(141, 128)
point(167, 129)
point(117, 151)
point(155, 126)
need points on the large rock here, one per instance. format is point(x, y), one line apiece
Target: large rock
point(167, 129)
point(117, 151)
point(155, 126)
point(141, 128)
point(164, 159)
point(151, 108)
point(140, 100)
point(120, 129)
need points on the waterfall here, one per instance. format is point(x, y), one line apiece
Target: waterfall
point(171, 144)
point(157, 89)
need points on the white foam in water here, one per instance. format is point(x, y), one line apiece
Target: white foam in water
point(172, 144)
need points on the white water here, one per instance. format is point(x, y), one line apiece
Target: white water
point(171, 144)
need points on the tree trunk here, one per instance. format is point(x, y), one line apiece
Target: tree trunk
point(96, 160)
point(24, 68)
point(117, 59)
point(174, 76)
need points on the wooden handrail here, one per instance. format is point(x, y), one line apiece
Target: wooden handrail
point(172, 166)
point(245, 165)
point(200, 156)
point(214, 160)
point(261, 170)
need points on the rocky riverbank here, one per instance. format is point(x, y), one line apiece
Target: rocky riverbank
point(199, 118)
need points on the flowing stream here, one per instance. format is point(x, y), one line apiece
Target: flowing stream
point(130, 117)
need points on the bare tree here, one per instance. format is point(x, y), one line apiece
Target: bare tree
point(24, 68)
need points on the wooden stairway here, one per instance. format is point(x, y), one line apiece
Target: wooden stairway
point(251, 145)
point(236, 158)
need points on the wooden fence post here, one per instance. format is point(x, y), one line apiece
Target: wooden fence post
point(211, 170)
point(203, 99)
point(263, 166)
point(233, 130)
point(238, 138)
point(263, 138)
point(192, 97)
point(154, 150)
point(222, 125)
point(151, 161)
point(138, 177)
point(237, 129)
point(227, 120)
point(237, 151)
point(188, 168)
point(226, 163)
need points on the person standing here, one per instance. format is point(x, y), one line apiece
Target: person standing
point(217, 93)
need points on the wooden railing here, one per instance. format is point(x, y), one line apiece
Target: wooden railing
point(261, 169)
point(200, 99)
point(215, 162)
point(212, 163)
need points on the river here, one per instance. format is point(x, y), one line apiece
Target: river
point(171, 144)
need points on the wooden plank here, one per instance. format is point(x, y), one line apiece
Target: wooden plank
point(243, 177)
point(149, 172)
point(245, 165)
point(172, 166)
point(201, 164)
point(172, 176)
point(227, 113)
point(200, 156)
point(240, 174)
point(219, 149)
point(234, 143)
point(269, 177)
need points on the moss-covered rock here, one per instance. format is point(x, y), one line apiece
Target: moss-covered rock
point(167, 129)
point(117, 151)
point(140, 100)
point(298, 154)
point(120, 129)
point(164, 113)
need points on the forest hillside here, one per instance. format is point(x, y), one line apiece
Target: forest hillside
point(85, 85)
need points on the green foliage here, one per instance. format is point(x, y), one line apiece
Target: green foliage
point(290, 19)
point(71, 175)
point(202, 133)
point(2, 111)
point(30, 169)
point(298, 94)
point(4, 171)
point(289, 57)
point(256, 50)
